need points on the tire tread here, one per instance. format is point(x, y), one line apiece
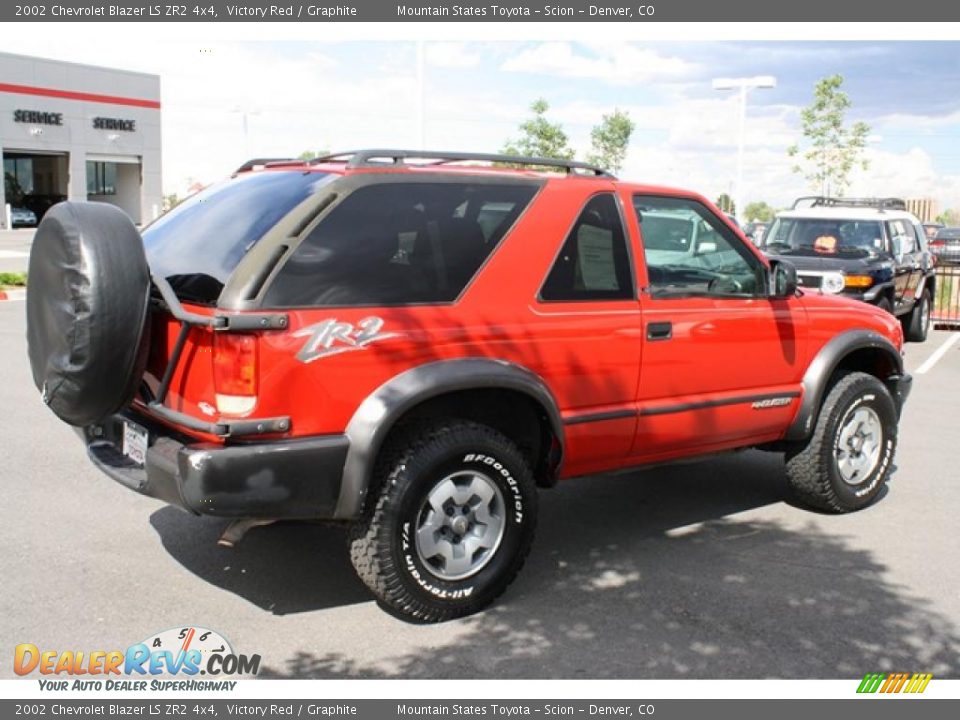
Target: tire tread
point(806, 473)
point(369, 551)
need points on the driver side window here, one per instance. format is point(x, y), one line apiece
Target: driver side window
point(690, 251)
point(902, 232)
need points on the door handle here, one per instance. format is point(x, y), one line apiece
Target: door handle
point(660, 331)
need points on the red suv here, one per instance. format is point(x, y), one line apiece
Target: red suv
point(414, 343)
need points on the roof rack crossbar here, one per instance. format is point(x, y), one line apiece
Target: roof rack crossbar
point(376, 158)
point(888, 203)
point(258, 162)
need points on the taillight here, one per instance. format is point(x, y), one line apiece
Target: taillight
point(235, 372)
point(938, 244)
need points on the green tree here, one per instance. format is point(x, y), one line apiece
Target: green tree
point(759, 211)
point(949, 217)
point(725, 203)
point(540, 137)
point(309, 155)
point(832, 149)
point(11, 189)
point(609, 140)
point(170, 201)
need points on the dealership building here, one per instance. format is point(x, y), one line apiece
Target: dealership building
point(78, 132)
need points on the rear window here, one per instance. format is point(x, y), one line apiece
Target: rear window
point(197, 245)
point(398, 244)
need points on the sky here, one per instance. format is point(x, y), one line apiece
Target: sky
point(297, 96)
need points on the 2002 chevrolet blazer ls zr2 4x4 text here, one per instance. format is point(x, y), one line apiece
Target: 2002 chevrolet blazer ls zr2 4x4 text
point(414, 345)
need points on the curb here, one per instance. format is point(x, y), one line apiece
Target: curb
point(13, 295)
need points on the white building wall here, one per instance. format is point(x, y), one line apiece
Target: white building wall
point(77, 135)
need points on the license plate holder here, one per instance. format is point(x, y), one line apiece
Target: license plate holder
point(135, 442)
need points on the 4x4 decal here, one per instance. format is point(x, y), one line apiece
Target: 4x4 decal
point(329, 337)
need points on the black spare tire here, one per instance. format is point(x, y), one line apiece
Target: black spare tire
point(87, 303)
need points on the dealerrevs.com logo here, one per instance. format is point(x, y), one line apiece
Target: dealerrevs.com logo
point(186, 652)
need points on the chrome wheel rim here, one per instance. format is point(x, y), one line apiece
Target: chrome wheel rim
point(460, 525)
point(924, 313)
point(859, 441)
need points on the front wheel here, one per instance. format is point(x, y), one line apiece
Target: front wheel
point(917, 324)
point(453, 522)
point(845, 463)
point(885, 303)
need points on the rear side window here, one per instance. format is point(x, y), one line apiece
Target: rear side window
point(398, 244)
point(197, 245)
point(593, 263)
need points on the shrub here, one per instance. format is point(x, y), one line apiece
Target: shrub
point(13, 279)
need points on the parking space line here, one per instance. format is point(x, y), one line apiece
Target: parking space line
point(938, 354)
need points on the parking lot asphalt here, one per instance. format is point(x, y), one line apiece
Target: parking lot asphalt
point(705, 570)
point(15, 249)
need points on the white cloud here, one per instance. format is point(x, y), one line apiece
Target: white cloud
point(315, 99)
point(451, 55)
point(616, 64)
point(908, 175)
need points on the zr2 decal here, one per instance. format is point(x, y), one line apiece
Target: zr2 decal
point(330, 337)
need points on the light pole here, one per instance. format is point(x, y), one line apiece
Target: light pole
point(245, 114)
point(421, 94)
point(744, 85)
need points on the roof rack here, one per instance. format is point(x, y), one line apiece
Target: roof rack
point(381, 157)
point(889, 203)
point(260, 162)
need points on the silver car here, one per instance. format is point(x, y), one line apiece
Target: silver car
point(946, 245)
point(22, 217)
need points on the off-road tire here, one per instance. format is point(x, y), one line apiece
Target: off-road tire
point(917, 324)
point(812, 467)
point(382, 542)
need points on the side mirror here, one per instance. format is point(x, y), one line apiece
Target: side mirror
point(783, 279)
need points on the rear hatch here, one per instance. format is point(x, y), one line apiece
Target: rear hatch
point(196, 247)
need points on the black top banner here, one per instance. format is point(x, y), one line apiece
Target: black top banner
point(641, 11)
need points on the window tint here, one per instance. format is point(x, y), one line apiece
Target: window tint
point(594, 263)
point(903, 230)
point(197, 245)
point(690, 251)
point(921, 238)
point(399, 243)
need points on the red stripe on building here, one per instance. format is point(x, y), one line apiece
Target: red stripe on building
point(70, 95)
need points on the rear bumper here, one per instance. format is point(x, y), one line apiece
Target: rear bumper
point(298, 478)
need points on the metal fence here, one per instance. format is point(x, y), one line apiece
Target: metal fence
point(946, 305)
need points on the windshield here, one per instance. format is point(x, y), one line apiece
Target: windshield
point(815, 237)
point(197, 245)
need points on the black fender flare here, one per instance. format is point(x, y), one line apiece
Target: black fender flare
point(822, 368)
point(377, 415)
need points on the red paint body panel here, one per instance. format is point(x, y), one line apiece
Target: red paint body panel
point(669, 398)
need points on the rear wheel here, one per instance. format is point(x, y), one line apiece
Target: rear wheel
point(453, 522)
point(917, 324)
point(845, 463)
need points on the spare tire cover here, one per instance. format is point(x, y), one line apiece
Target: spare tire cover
point(87, 300)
